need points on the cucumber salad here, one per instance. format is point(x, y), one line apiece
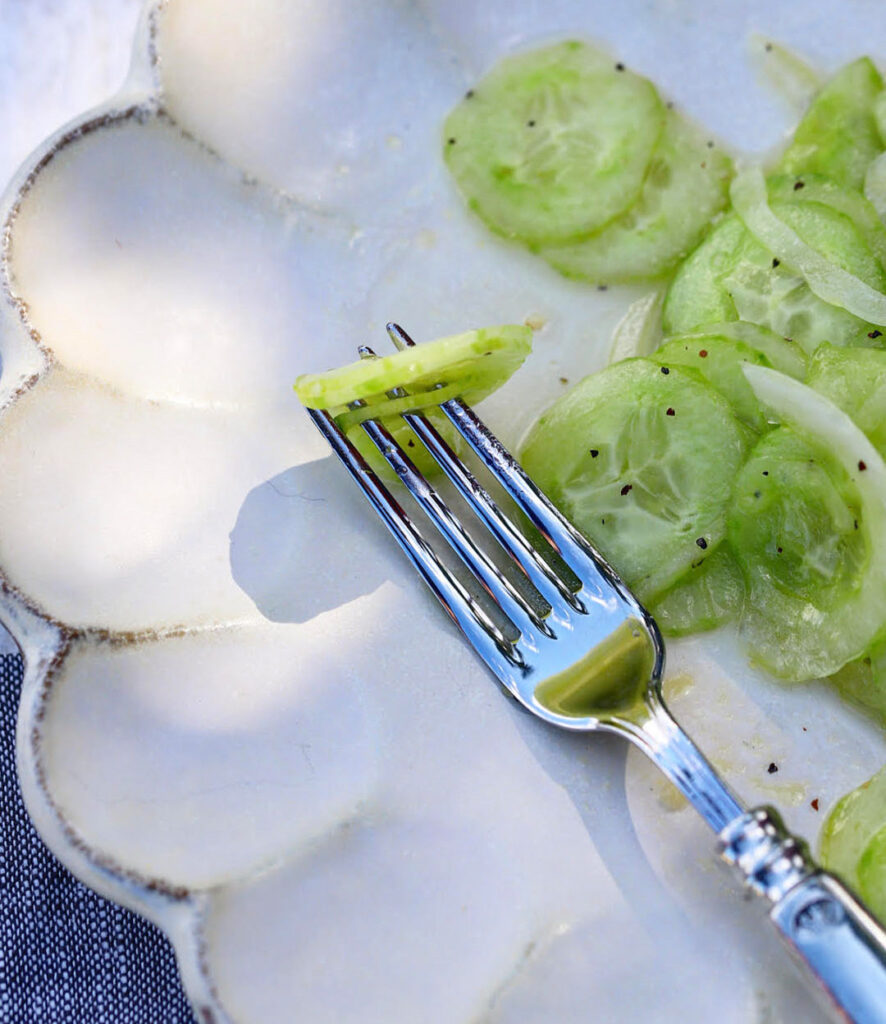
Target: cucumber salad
point(729, 462)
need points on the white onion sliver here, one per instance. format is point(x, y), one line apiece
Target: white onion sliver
point(638, 333)
point(828, 281)
point(805, 409)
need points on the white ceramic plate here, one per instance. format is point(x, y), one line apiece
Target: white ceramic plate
point(242, 715)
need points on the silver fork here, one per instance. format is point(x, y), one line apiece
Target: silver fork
point(583, 654)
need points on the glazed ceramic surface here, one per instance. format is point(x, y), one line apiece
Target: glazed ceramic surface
point(242, 715)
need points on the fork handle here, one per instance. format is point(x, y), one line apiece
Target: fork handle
point(829, 931)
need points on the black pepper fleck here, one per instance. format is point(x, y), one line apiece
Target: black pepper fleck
point(775, 261)
point(768, 47)
point(626, 488)
point(798, 185)
point(665, 370)
point(773, 768)
point(669, 412)
point(619, 66)
point(874, 334)
point(702, 543)
point(594, 452)
point(710, 144)
point(765, 472)
point(530, 124)
point(602, 287)
point(451, 141)
point(814, 804)
point(410, 444)
point(758, 494)
point(779, 550)
point(862, 465)
point(469, 94)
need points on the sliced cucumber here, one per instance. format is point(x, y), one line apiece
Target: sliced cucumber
point(641, 458)
point(784, 355)
point(855, 380)
point(863, 683)
point(852, 825)
point(469, 365)
point(846, 274)
point(732, 276)
point(838, 137)
point(686, 186)
point(817, 189)
point(708, 596)
point(806, 525)
point(719, 360)
point(554, 143)
point(871, 872)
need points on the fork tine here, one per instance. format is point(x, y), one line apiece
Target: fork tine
point(557, 530)
point(512, 603)
point(492, 644)
point(535, 568)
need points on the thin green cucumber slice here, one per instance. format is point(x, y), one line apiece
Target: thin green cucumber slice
point(733, 276)
point(783, 354)
point(856, 820)
point(855, 380)
point(686, 186)
point(825, 268)
point(838, 137)
point(641, 457)
point(862, 683)
point(719, 360)
point(806, 524)
point(814, 188)
point(552, 144)
point(709, 595)
point(469, 365)
point(871, 872)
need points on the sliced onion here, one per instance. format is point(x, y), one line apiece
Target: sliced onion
point(638, 333)
point(828, 281)
point(792, 77)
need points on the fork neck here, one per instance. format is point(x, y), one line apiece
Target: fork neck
point(659, 736)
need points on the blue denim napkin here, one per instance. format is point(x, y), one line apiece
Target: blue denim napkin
point(66, 955)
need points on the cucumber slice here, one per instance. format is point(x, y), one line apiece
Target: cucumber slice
point(719, 360)
point(838, 137)
point(469, 366)
point(806, 524)
point(862, 683)
point(818, 189)
point(855, 380)
point(784, 355)
point(733, 276)
point(685, 188)
point(553, 143)
point(708, 596)
point(851, 826)
point(641, 458)
point(824, 267)
point(871, 873)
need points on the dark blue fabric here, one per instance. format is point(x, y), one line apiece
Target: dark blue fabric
point(66, 955)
